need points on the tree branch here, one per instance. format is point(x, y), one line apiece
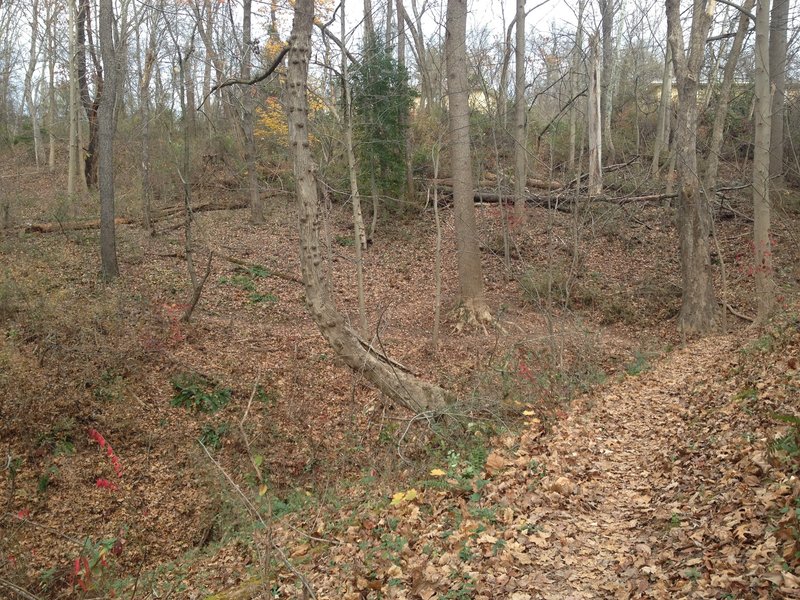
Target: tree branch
point(257, 79)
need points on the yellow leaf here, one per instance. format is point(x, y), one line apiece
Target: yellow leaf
point(262, 489)
point(437, 472)
point(528, 413)
point(406, 496)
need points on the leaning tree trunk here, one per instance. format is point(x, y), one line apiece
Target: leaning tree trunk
point(694, 216)
point(470, 276)
point(388, 376)
point(765, 282)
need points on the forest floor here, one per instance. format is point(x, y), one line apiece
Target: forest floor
point(592, 452)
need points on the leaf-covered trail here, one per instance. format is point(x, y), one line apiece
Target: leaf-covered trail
point(609, 464)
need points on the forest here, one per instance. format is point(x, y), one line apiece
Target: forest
point(399, 299)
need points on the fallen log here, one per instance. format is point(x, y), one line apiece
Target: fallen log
point(160, 215)
point(71, 225)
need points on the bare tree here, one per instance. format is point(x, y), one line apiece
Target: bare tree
point(390, 377)
point(694, 217)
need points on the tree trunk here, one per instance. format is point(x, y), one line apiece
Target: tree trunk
point(28, 85)
point(470, 276)
point(85, 41)
point(577, 53)
point(401, 64)
point(391, 379)
point(145, 113)
point(359, 236)
point(765, 283)
point(779, 25)
point(607, 10)
point(72, 172)
point(51, 90)
point(664, 114)
point(248, 101)
point(721, 112)
point(520, 119)
point(694, 216)
point(105, 134)
point(594, 120)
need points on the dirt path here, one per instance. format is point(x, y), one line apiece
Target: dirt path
point(600, 522)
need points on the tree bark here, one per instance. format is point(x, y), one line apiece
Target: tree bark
point(694, 215)
point(392, 380)
point(763, 269)
point(105, 135)
point(470, 276)
point(85, 41)
point(779, 25)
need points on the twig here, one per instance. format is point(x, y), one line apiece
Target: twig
point(55, 532)
point(21, 592)
point(245, 438)
point(736, 313)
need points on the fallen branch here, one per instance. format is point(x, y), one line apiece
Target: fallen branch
point(198, 290)
point(163, 214)
point(736, 313)
point(270, 272)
